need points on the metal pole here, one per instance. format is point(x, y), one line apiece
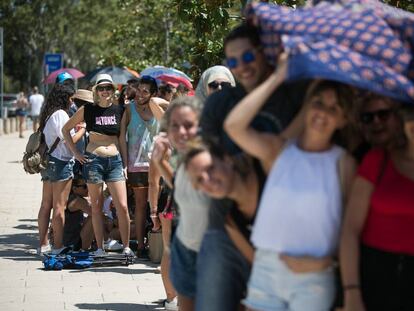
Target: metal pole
point(1, 74)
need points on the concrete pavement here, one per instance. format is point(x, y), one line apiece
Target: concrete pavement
point(23, 283)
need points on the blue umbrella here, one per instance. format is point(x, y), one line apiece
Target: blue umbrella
point(119, 75)
point(363, 43)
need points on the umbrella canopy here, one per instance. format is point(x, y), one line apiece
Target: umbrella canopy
point(175, 80)
point(157, 71)
point(363, 43)
point(51, 78)
point(119, 75)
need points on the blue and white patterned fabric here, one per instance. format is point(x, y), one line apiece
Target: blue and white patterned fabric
point(364, 43)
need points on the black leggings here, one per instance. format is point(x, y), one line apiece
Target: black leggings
point(387, 280)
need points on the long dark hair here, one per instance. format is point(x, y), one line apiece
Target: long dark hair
point(58, 98)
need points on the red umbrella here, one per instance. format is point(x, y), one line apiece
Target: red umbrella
point(72, 71)
point(175, 80)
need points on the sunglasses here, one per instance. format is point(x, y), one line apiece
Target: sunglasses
point(382, 114)
point(247, 58)
point(105, 88)
point(215, 85)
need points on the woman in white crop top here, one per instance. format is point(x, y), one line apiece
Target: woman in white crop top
point(297, 227)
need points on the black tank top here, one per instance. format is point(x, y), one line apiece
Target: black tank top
point(103, 120)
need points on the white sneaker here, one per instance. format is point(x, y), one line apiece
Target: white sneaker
point(58, 251)
point(98, 253)
point(171, 305)
point(44, 249)
point(112, 245)
point(128, 252)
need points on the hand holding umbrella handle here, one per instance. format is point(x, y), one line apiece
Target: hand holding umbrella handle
point(282, 66)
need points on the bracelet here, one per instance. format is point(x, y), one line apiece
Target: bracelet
point(351, 287)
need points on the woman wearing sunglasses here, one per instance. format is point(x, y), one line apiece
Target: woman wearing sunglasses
point(212, 80)
point(102, 160)
point(377, 245)
point(378, 123)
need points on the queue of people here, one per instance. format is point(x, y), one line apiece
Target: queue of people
point(263, 189)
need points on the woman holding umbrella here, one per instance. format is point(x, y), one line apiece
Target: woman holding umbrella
point(102, 160)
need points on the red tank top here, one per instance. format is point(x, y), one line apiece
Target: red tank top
point(390, 221)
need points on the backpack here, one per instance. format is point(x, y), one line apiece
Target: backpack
point(35, 158)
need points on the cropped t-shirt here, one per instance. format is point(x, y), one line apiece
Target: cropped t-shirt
point(101, 120)
point(389, 225)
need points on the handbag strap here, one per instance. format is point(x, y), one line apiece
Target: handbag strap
point(54, 145)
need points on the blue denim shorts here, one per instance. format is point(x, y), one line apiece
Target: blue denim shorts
point(99, 169)
point(58, 170)
point(183, 268)
point(220, 263)
point(273, 286)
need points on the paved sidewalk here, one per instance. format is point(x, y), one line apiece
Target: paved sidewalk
point(23, 283)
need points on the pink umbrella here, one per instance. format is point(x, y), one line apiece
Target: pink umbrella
point(72, 71)
point(175, 80)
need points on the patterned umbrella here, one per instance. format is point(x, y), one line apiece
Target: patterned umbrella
point(119, 75)
point(157, 71)
point(175, 80)
point(364, 43)
point(51, 78)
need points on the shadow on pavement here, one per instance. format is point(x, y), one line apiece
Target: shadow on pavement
point(19, 246)
point(117, 270)
point(117, 306)
point(15, 162)
point(26, 227)
point(29, 220)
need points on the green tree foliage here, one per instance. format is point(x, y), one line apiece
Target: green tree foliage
point(134, 33)
point(79, 29)
point(149, 34)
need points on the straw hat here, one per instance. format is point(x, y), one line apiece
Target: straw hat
point(84, 95)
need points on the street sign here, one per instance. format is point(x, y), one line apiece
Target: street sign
point(53, 61)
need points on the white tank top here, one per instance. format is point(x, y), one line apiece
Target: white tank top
point(193, 206)
point(301, 207)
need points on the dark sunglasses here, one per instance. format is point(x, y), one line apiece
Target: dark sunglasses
point(247, 57)
point(382, 114)
point(215, 85)
point(105, 88)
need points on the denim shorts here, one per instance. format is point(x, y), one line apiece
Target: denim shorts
point(273, 286)
point(183, 268)
point(99, 169)
point(58, 170)
point(138, 179)
point(220, 263)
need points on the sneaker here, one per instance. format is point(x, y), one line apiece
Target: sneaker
point(44, 249)
point(60, 251)
point(112, 245)
point(128, 252)
point(98, 253)
point(171, 305)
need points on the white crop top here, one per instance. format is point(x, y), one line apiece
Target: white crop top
point(301, 207)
